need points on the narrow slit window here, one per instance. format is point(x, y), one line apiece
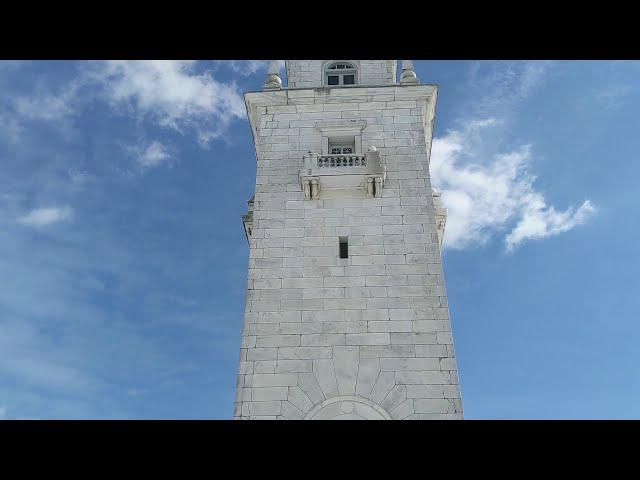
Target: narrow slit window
point(344, 247)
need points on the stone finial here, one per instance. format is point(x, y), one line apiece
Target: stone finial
point(408, 74)
point(273, 82)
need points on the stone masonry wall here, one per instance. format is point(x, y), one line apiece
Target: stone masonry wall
point(374, 327)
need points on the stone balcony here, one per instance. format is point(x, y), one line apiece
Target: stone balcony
point(340, 172)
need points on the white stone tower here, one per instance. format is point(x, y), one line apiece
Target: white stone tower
point(346, 313)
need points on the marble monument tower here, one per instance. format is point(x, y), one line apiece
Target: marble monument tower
point(346, 311)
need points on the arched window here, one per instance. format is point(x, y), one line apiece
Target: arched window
point(340, 73)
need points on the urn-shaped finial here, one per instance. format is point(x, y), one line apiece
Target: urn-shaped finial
point(273, 82)
point(408, 74)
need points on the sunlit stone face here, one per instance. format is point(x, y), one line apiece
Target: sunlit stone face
point(346, 313)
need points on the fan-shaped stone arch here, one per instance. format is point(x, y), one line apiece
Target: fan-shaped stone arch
point(347, 407)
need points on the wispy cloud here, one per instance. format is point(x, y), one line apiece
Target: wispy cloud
point(43, 105)
point(614, 95)
point(61, 347)
point(489, 192)
point(498, 86)
point(41, 217)
point(171, 93)
point(485, 198)
point(10, 128)
point(538, 220)
point(25, 355)
point(249, 67)
point(246, 67)
point(3, 412)
point(150, 155)
point(80, 178)
point(174, 94)
point(13, 64)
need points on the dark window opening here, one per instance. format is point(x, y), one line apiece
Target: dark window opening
point(340, 73)
point(342, 145)
point(344, 247)
point(341, 150)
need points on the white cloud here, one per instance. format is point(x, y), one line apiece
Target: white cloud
point(80, 178)
point(488, 189)
point(246, 67)
point(41, 217)
point(170, 93)
point(485, 197)
point(498, 86)
point(540, 221)
point(43, 105)
point(249, 67)
point(152, 155)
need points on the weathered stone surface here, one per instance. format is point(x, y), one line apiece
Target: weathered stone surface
point(367, 336)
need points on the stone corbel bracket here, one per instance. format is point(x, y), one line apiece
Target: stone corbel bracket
point(441, 215)
point(375, 182)
point(310, 187)
point(374, 185)
point(247, 218)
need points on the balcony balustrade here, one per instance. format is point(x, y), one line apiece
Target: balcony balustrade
point(344, 171)
point(342, 161)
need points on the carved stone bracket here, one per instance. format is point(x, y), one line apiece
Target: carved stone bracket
point(441, 215)
point(247, 219)
point(374, 184)
point(310, 187)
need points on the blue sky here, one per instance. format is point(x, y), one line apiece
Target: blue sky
point(123, 258)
